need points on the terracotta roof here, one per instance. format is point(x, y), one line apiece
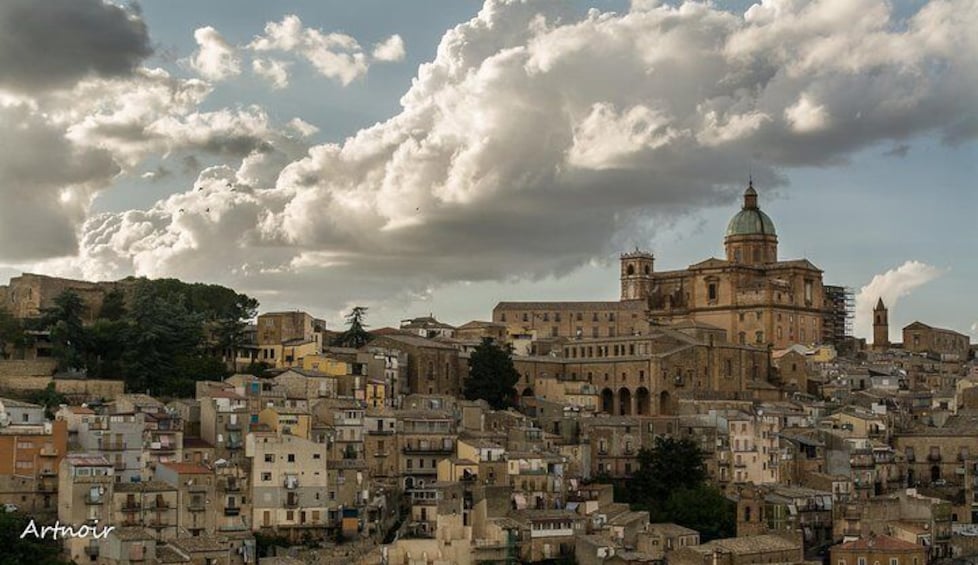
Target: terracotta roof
point(879, 543)
point(224, 393)
point(188, 468)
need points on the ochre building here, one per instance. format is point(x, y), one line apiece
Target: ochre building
point(753, 295)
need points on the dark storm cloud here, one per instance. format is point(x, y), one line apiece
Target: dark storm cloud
point(48, 44)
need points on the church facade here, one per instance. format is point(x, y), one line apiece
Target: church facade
point(751, 294)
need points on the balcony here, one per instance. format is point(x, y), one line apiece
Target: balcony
point(233, 426)
point(198, 488)
point(233, 444)
point(291, 501)
point(131, 506)
point(232, 486)
point(91, 498)
point(232, 510)
point(158, 524)
point(161, 505)
point(119, 465)
point(113, 446)
point(49, 452)
point(160, 447)
point(432, 449)
point(49, 473)
point(196, 506)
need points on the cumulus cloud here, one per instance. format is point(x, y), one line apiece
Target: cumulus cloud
point(391, 49)
point(534, 142)
point(891, 286)
point(47, 184)
point(334, 55)
point(215, 58)
point(273, 70)
point(63, 147)
point(55, 43)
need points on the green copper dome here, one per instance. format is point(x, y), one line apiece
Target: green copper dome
point(750, 220)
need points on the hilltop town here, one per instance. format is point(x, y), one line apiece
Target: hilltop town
point(816, 446)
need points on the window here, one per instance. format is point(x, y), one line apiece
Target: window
point(291, 458)
point(580, 316)
point(502, 317)
point(546, 317)
point(266, 476)
point(594, 331)
point(862, 561)
point(711, 291)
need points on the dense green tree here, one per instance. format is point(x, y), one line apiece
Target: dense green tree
point(356, 334)
point(671, 464)
point(49, 398)
point(160, 332)
point(106, 345)
point(492, 375)
point(113, 306)
point(671, 483)
point(703, 508)
point(12, 337)
point(258, 368)
point(30, 549)
point(68, 336)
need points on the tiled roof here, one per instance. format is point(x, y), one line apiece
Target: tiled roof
point(878, 543)
point(11, 403)
point(132, 533)
point(188, 468)
point(198, 544)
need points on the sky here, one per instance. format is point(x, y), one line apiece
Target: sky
point(438, 156)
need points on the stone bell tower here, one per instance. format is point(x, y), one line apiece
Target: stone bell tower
point(881, 326)
point(636, 275)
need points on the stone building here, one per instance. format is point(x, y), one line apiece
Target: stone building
point(28, 295)
point(31, 451)
point(751, 294)
point(878, 549)
point(432, 367)
point(289, 485)
point(943, 344)
point(645, 375)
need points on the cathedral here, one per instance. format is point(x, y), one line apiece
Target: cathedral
point(755, 297)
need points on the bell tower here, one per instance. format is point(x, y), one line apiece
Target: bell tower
point(636, 275)
point(881, 326)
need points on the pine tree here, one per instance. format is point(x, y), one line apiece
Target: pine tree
point(356, 335)
point(492, 376)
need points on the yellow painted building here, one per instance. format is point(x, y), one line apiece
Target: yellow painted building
point(376, 393)
point(326, 365)
point(286, 421)
point(455, 470)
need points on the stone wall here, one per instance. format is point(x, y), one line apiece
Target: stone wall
point(84, 390)
point(27, 368)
